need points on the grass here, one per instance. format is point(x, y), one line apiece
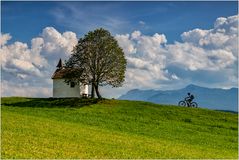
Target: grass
point(82, 128)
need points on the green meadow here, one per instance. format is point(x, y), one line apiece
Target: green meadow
point(85, 128)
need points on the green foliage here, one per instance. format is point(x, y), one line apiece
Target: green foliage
point(99, 59)
point(92, 128)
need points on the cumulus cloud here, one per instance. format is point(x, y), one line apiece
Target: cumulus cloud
point(18, 58)
point(222, 35)
point(210, 50)
point(146, 58)
point(194, 36)
point(198, 58)
point(34, 62)
point(55, 42)
point(126, 43)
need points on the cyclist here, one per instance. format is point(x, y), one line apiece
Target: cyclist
point(189, 99)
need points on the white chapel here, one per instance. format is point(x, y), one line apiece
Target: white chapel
point(63, 90)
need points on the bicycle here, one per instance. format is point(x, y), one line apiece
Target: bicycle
point(185, 103)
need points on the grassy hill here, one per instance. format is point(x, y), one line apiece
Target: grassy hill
point(74, 128)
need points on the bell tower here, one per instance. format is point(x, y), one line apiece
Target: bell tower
point(59, 65)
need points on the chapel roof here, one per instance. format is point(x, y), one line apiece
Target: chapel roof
point(63, 73)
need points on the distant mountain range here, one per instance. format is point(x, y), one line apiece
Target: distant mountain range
point(211, 98)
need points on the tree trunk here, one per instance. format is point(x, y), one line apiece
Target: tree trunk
point(97, 91)
point(92, 90)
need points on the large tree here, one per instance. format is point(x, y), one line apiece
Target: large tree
point(99, 60)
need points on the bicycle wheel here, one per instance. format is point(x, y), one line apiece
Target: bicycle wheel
point(194, 105)
point(182, 103)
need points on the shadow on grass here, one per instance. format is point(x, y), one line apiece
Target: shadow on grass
point(53, 102)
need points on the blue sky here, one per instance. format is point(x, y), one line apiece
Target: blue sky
point(170, 18)
point(168, 44)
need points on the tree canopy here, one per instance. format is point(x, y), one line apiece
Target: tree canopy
point(99, 59)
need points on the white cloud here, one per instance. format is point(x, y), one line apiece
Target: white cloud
point(36, 62)
point(212, 49)
point(145, 58)
point(220, 21)
point(229, 25)
point(135, 34)
point(215, 40)
point(197, 58)
point(26, 67)
point(126, 43)
point(57, 43)
point(194, 36)
point(149, 57)
point(223, 35)
point(4, 38)
point(17, 57)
